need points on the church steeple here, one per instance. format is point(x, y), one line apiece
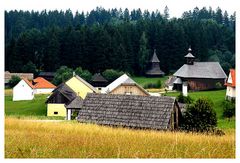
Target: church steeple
point(189, 57)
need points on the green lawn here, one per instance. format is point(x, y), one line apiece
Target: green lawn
point(144, 80)
point(30, 109)
point(217, 98)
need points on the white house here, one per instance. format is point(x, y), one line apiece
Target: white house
point(23, 91)
point(231, 85)
point(26, 89)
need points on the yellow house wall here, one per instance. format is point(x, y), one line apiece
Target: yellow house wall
point(77, 86)
point(126, 89)
point(60, 108)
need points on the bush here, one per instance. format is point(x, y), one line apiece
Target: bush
point(14, 80)
point(228, 109)
point(85, 74)
point(200, 116)
point(184, 99)
point(111, 74)
point(29, 68)
point(63, 73)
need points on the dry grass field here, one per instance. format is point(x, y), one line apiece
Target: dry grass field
point(34, 139)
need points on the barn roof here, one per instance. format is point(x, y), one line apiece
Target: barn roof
point(211, 70)
point(46, 73)
point(127, 110)
point(155, 71)
point(75, 103)
point(122, 80)
point(98, 78)
point(65, 90)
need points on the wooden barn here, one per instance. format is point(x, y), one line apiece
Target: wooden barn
point(125, 85)
point(153, 67)
point(200, 75)
point(146, 112)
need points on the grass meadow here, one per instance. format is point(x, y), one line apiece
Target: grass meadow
point(217, 97)
point(34, 139)
point(143, 80)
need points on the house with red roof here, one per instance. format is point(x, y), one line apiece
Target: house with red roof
point(231, 85)
point(26, 89)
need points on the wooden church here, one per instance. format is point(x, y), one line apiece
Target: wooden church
point(154, 67)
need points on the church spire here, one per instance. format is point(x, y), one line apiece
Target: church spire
point(189, 57)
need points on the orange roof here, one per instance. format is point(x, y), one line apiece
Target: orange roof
point(233, 75)
point(28, 82)
point(40, 82)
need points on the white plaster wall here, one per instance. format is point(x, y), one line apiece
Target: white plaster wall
point(231, 92)
point(22, 91)
point(43, 91)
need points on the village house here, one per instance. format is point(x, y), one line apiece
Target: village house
point(42, 86)
point(198, 76)
point(153, 67)
point(98, 81)
point(8, 75)
point(125, 85)
point(231, 85)
point(146, 112)
point(73, 90)
point(25, 89)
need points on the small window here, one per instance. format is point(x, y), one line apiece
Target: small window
point(99, 89)
point(55, 113)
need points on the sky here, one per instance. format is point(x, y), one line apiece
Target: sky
point(176, 7)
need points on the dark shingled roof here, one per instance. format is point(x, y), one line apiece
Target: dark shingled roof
point(75, 104)
point(155, 71)
point(65, 90)
point(154, 57)
point(46, 73)
point(211, 70)
point(98, 78)
point(127, 110)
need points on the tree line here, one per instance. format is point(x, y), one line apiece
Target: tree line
point(116, 39)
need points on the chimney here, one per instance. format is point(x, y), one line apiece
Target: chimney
point(74, 73)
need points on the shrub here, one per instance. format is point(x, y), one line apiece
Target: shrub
point(228, 109)
point(14, 80)
point(85, 74)
point(63, 73)
point(200, 116)
point(184, 99)
point(111, 74)
point(29, 68)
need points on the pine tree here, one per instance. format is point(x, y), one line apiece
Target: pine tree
point(143, 53)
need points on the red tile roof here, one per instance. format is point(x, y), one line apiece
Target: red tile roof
point(233, 75)
point(39, 83)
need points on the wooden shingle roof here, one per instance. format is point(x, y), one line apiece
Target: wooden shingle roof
point(212, 70)
point(127, 110)
point(154, 57)
point(75, 103)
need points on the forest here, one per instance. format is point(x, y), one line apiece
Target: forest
point(116, 39)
